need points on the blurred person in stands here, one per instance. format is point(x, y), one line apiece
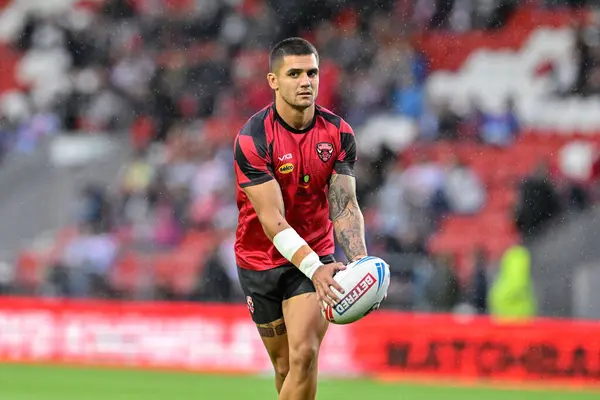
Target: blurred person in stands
point(210, 180)
point(226, 254)
point(429, 120)
point(294, 166)
point(173, 190)
point(502, 128)
point(503, 10)
point(119, 9)
point(208, 74)
point(448, 122)
point(585, 60)
point(396, 67)
point(443, 290)
point(472, 121)
point(5, 136)
point(478, 286)
point(423, 183)
point(538, 202)
point(573, 176)
point(392, 208)
point(443, 11)
point(374, 170)
point(133, 71)
point(6, 278)
point(463, 189)
point(135, 178)
point(594, 178)
point(214, 284)
point(577, 3)
point(86, 261)
point(96, 208)
point(401, 295)
point(511, 295)
point(397, 225)
point(169, 217)
point(163, 100)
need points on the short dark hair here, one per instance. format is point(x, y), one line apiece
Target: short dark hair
point(293, 46)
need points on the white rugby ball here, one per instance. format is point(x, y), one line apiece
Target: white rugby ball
point(365, 283)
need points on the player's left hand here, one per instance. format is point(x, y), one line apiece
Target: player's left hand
point(323, 281)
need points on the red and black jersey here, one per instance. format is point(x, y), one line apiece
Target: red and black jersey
point(302, 162)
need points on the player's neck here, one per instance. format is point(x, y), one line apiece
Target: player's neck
point(297, 119)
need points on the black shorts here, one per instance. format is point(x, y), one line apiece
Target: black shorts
point(266, 290)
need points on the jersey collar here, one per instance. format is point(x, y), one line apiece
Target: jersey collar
point(289, 128)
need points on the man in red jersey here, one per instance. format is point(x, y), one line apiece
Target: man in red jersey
point(294, 165)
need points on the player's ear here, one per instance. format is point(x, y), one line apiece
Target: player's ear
point(272, 78)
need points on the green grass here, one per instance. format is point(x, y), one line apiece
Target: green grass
point(20, 382)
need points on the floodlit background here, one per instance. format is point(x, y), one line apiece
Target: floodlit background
point(478, 129)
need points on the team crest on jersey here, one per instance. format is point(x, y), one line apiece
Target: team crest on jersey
point(324, 150)
point(250, 304)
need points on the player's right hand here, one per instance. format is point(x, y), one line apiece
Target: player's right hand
point(323, 281)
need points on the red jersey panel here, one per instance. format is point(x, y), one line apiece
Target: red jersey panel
point(302, 162)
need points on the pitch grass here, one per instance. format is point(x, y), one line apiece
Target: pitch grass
point(25, 382)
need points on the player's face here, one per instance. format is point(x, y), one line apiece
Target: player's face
point(297, 80)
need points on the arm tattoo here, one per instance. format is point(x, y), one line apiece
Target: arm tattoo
point(346, 216)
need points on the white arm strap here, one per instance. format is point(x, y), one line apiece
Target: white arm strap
point(288, 242)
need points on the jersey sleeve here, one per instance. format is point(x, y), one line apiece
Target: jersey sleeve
point(344, 164)
point(252, 164)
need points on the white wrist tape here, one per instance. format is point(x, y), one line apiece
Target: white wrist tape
point(288, 242)
point(309, 264)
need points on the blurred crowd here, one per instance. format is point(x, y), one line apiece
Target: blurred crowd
point(162, 74)
point(587, 55)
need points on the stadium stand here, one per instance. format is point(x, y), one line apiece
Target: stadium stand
point(472, 121)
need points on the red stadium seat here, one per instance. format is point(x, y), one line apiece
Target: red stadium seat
point(189, 265)
point(496, 245)
point(9, 60)
point(125, 275)
point(220, 130)
point(178, 270)
point(197, 239)
point(30, 271)
point(501, 198)
point(448, 51)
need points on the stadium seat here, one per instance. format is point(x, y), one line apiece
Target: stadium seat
point(501, 198)
point(31, 267)
point(125, 274)
point(220, 130)
point(9, 61)
point(189, 265)
point(462, 72)
point(178, 270)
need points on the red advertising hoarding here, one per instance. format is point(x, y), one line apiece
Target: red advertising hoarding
point(205, 337)
point(447, 346)
point(152, 335)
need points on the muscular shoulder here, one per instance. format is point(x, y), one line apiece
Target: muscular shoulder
point(335, 120)
point(255, 126)
point(329, 116)
point(344, 140)
point(251, 152)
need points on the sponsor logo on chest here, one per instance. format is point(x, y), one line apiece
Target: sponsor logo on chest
point(286, 168)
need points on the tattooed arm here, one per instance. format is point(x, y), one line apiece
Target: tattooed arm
point(346, 216)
